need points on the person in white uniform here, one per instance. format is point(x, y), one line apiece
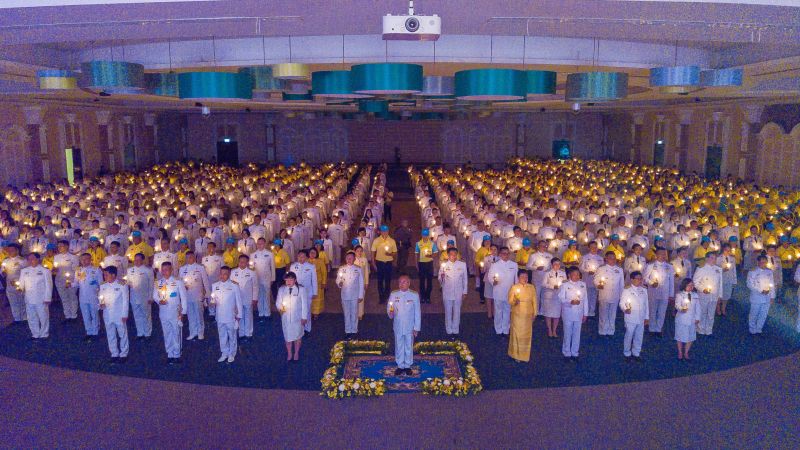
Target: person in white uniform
point(609, 280)
point(404, 309)
point(114, 302)
point(140, 280)
point(589, 264)
point(306, 274)
point(248, 286)
point(88, 279)
point(64, 265)
point(350, 281)
point(36, 283)
point(262, 261)
point(573, 295)
point(195, 279)
point(170, 294)
point(708, 281)
point(659, 277)
point(212, 262)
point(727, 261)
point(12, 267)
point(551, 304)
point(227, 299)
point(454, 281)
point(687, 318)
point(294, 309)
point(503, 275)
point(635, 306)
point(762, 293)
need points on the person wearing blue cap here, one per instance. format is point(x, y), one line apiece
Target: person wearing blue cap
point(425, 252)
point(384, 248)
point(96, 250)
point(699, 256)
point(138, 245)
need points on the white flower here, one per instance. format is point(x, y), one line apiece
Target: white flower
point(341, 387)
point(372, 385)
point(447, 382)
point(468, 358)
point(356, 386)
point(460, 382)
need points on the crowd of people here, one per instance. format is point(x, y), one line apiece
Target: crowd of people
point(573, 240)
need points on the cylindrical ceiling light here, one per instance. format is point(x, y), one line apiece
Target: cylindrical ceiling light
point(162, 83)
point(675, 79)
point(387, 78)
point(214, 86)
point(721, 78)
point(541, 84)
point(596, 86)
point(290, 71)
point(438, 86)
point(334, 84)
point(297, 96)
point(262, 78)
point(56, 79)
point(495, 85)
point(116, 77)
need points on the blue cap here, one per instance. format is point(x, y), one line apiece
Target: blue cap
point(769, 226)
point(425, 232)
point(451, 242)
point(705, 239)
point(384, 228)
point(94, 239)
point(486, 237)
point(658, 238)
point(183, 241)
point(278, 242)
point(572, 242)
point(4, 243)
point(230, 240)
point(784, 239)
point(658, 220)
point(793, 240)
point(526, 242)
point(51, 246)
point(733, 239)
point(614, 237)
point(319, 242)
point(136, 233)
point(355, 242)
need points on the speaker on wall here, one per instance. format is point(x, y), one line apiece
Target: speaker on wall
point(562, 149)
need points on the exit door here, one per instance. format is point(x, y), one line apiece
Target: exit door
point(228, 152)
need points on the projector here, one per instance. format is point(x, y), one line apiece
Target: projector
point(412, 27)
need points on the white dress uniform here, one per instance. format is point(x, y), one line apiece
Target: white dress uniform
point(171, 296)
point(685, 321)
point(350, 279)
point(88, 280)
point(65, 265)
point(729, 277)
point(307, 280)
point(293, 306)
point(227, 298)
point(536, 260)
point(759, 280)
point(114, 303)
point(337, 234)
point(195, 279)
point(165, 256)
point(248, 287)
point(213, 264)
point(632, 264)
point(506, 272)
point(635, 299)
point(12, 267)
point(797, 280)
point(118, 261)
point(140, 282)
point(404, 306)
point(613, 281)
point(708, 278)
point(37, 285)
point(263, 263)
point(588, 266)
point(660, 280)
point(454, 281)
point(551, 304)
point(201, 247)
point(572, 315)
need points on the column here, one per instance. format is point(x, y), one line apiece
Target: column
point(37, 146)
point(108, 164)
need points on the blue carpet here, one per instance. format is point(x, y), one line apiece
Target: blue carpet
point(262, 363)
point(383, 367)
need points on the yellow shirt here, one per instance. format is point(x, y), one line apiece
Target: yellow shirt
point(769, 238)
point(480, 254)
point(98, 255)
point(522, 257)
point(425, 250)
point(571, 257)
point(788, 256)
point(231, 257)
point(142, 247)
point(380, 246)
point(700, 256)
point(281, 259)
point(47, 262)
point(618, 251)
point(737, 254)
point(182, 258)
point(322, 273)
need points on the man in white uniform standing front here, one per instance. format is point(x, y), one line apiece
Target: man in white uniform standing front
point(248, 289)
point(404, 310)
point(195, 279)
point(609, 281)
point(262, 261)
point(170, 294)
point(708, 282)
point(140, 279)
point(114, 303)
point(453, 278)
point(503, 275)
point(350, 280)
point(227, 298)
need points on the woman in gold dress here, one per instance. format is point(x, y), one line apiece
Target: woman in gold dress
point(320, 261)
point(522, 298)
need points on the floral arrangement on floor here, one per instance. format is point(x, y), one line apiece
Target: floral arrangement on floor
point(335, 387)
point(470, 383)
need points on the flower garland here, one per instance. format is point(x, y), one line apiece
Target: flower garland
point(470, 383)
point(335, 387)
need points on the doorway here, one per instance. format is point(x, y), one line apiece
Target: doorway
point(228, 152)
point(74, 165)
point(658, 153)
point(713, 162)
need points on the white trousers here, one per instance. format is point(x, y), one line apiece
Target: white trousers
point(227, 338)
point(173, 331)
point(606, 322)
point(634, 333)
point(117, 334)
point(246, 322)
point(89, 315)
point(16, 300)
point(404, 350)
point(591, 294)
point(336, 257)
point(194, 313)
point(658, 311)
point(452, 316)
point(143, 317)
point(757, 317)
point(69, 299)
point(264, 294)
point(39, 319)
point(350, 309)
point(502, 316)
point(708, 311)
point(572, 337)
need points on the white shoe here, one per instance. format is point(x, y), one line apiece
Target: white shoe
point(222, 358)
point(230, 359)
point(190, 338)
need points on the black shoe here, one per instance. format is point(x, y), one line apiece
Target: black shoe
point(660, 334)
point(88, 339)
point(122, 359)
point(638, 359)
point(628, 359)
point(398, 372)
point(113, 360)
point(174, 361)
point(409, 371)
